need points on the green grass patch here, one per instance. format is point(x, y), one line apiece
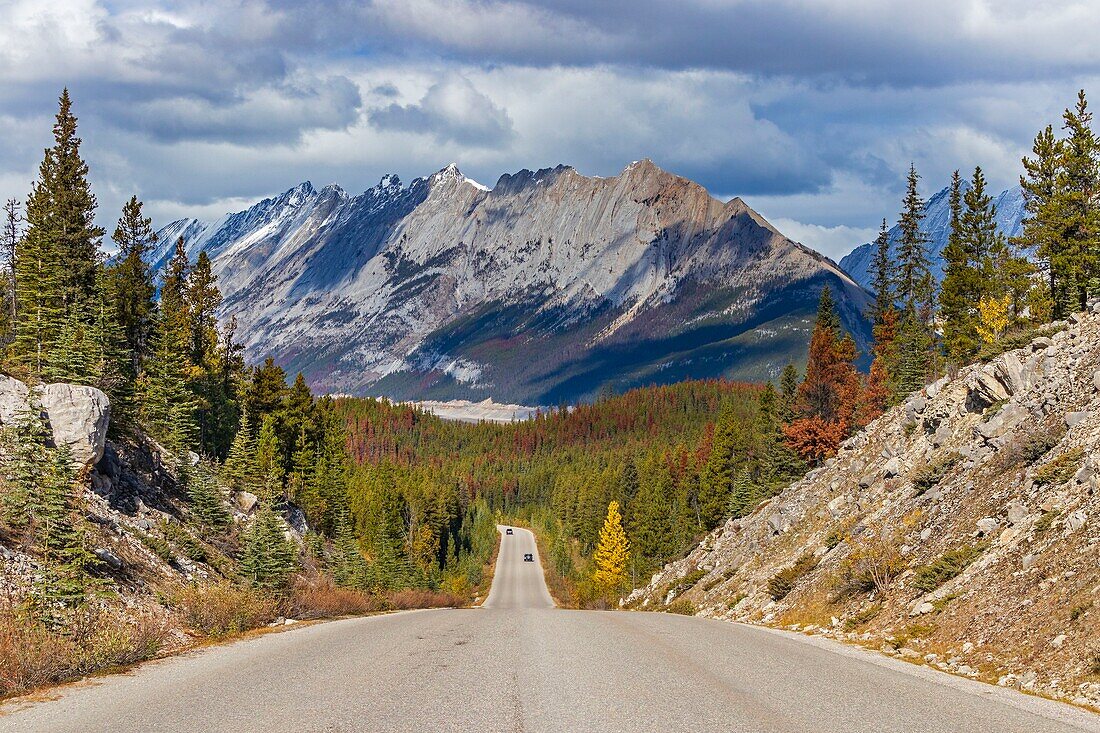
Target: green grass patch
point(1060, 469)
point(949, 565)
point(782, 583)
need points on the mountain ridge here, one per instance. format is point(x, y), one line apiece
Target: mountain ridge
point(443, 288)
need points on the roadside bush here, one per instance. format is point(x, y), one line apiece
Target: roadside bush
point(320, 597)
point(221, 609)
point(873, 564)
point(94, 638)
point(682, 606)
point(782, 583)
point(1060, 469)
point(399, 600)
point(863, 617)
point(949, 565)
point(930, 474)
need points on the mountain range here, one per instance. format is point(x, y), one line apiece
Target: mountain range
point(546, 288)
point(936, 226)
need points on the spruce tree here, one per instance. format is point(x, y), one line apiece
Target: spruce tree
point(957, 297)
point(882, 269)
point(651, 523)
point(268, 558)
point(1040, 186)
point(716, 478)
point(132, 288)
point(205, 494)
point(56, 261)
point(240, 471)
point(269, 464)
point(912, 247)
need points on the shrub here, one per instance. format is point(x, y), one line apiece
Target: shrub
point(1045, 520)
point(949, 565)
point(1060, 469)
point(780, 584)
point(930, 474)
point(220, 609)
point(94, 638)
point(682, 606)
point(398, 600)
point(320, 597)
point(872, 566)
point(863, 617)
point(689, 581)
point(726, 575)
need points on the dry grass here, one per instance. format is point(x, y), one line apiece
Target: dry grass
point(222, 609)
point(95, 638)
point(399, 600)
point(318, 597)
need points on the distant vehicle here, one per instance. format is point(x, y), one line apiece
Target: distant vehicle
point(509, 531)
point(528, 557)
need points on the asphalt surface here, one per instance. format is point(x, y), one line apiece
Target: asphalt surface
point(519, 664)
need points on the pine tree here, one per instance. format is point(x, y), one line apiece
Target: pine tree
point(882, 269)
point(132, 288)
point(56, 261)
point(9, 244)
point(1077, 259)
point(612, 552)
point(269, 464)
point(240, 471)
point(205, 495)
point(268, 558)
point(651, 517)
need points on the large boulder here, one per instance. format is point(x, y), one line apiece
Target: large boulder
point(78, 417)
point(13, 398)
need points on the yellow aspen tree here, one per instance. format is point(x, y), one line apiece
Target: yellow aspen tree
point(612, 552)
point(994, 317)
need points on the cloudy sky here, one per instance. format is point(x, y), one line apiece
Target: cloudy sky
point(810, 110)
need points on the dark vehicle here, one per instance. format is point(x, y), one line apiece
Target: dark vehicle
point(528, 557)
point(508, 531)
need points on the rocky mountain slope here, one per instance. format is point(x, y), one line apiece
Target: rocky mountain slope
point(937, 226)
point(136, 510)
point(959, 530)
point(540, 290)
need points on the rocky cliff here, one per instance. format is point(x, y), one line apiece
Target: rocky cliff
point(960, 530)
point(137, 511)
point(542, 289)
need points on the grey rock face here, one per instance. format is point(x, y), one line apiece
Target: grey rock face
point(13, 397)
point(78, 418)
point(78, 415)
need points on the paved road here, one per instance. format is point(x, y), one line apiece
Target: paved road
point(518, 664)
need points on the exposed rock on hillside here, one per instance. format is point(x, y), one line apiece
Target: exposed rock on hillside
point(77, 415)
point(960, 530)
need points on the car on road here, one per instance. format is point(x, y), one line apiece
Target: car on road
point(528, 557)
point(509, 531)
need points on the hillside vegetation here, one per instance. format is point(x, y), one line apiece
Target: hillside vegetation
point(958, 530)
